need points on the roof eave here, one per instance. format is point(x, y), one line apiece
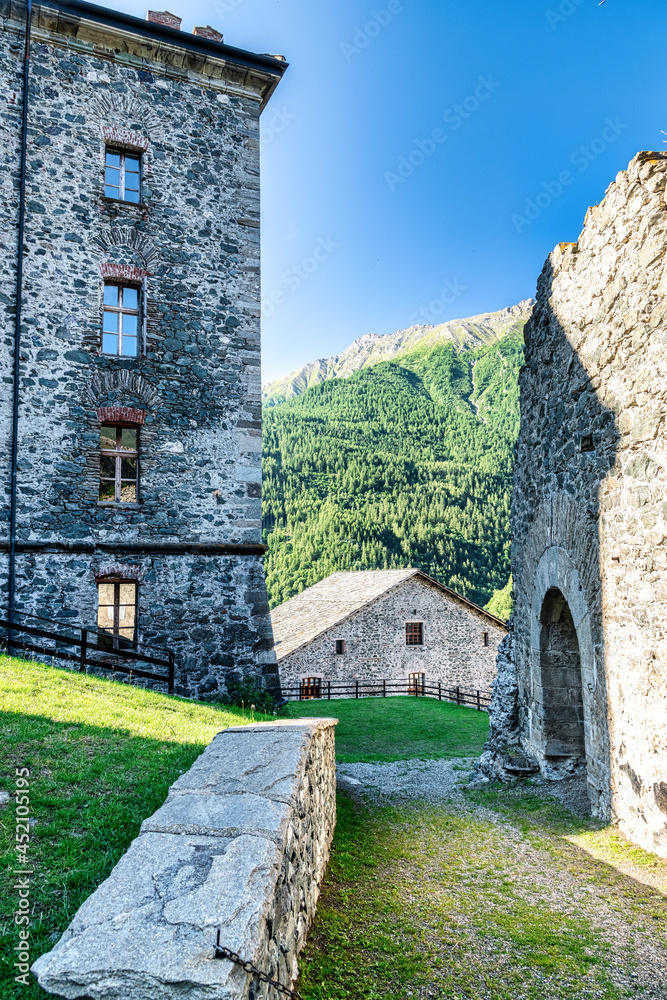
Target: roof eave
point(270, 67)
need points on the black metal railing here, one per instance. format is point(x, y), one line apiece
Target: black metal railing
point(87, 647)
point(327, 690)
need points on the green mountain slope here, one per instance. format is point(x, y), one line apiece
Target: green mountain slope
point(407, 462)
point(372, 348)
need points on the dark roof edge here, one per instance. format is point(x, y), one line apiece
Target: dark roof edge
point(149, 29)
point(464, 600)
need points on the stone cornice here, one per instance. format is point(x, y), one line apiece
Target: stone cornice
point(149, 46)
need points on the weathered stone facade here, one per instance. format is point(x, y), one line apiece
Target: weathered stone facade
point(368, 612)
point(582, 681)
point(189, 106)
point(240, 846)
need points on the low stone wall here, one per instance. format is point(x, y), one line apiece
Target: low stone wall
point(240, 845)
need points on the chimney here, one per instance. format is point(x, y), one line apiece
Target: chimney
point(208, 32)
point(165, 18)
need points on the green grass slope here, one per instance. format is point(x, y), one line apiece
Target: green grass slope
point(406, 463)
point(101, 757)
point(377, 730)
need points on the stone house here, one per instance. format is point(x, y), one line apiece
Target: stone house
point(582, 680)
point(134, 499)
point(394, 625)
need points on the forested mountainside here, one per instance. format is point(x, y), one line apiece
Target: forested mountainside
point(405, 462)
point(372, 348)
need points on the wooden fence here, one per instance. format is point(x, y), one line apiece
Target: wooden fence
point(84, 646)
point(326, 690)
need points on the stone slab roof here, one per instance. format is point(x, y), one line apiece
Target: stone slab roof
point(329, 602)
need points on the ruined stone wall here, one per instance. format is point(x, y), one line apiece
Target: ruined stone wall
point(193, 537)
point(240, 846)
point(375, 649)
point(589, 508)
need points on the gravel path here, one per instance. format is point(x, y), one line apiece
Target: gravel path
point(637, 960)
point(429, 780)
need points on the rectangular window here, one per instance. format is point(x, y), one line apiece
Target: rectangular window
point(122, 175)
point(416, 684)
point(340, 647)
point(117, 608)
point(485, 638)
point(414, 634)
point(310, 687)
point(119, 463)
point(120, 320)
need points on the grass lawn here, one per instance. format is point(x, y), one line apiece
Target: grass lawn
point(101, 757)
point(448, 903)
point(397, 728)
point(497, 894)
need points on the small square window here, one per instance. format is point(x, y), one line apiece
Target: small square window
point(414, 634)
point(119, 464)
point(122, 175)
point(340, 647)
point(120, 320)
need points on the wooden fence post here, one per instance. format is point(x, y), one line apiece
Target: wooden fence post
point(84, 651)
point(458, 695)
point(439, 691)
point(356, 689)
point(172, 674)
point(329, 691)
point(479, 707)
point(384, 688)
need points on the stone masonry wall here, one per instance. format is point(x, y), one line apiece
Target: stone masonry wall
point(375, 649)
point(589, 506)
point(196, 386)
point(240, 846)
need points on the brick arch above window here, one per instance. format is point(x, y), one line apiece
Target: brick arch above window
point(118, 571)
point(120, 415)
point(124, 138)
point(123, 272)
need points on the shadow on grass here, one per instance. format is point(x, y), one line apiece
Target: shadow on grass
point(90, 788)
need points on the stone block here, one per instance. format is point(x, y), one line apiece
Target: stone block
point(216, 856)
point(219, 815)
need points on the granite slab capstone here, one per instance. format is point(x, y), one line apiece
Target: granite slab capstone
point(240, 846)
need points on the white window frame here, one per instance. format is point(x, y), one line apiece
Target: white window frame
point(118, 455)
point(122, 153)
point(120, 310)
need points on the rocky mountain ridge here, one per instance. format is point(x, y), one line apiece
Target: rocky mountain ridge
point(372, 348)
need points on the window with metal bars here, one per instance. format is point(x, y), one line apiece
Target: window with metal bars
point(122, 175)
point(119, 464)
point(414, 634)
point(340, 647)
point(120, 320)
point(117, 608)
point(485, 638)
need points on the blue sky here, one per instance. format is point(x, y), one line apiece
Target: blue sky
point(422, 157)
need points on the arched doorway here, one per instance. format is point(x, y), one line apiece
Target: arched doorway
point(560, 668)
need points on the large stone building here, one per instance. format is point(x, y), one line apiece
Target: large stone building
point(133, 494)
point(395, 625)
point(582, 683)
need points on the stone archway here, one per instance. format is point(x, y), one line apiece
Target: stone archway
point(567, 719)
point(562, 714)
